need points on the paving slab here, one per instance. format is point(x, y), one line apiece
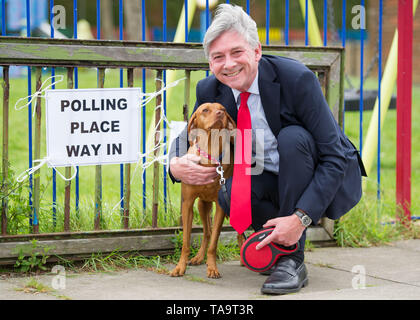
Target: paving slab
point(387, 272)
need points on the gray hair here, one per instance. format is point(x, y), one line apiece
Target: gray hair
point(231, 17)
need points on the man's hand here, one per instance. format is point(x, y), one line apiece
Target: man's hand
point(187, 169)
point(287, 231)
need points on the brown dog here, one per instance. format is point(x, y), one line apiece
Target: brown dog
point(207, 130)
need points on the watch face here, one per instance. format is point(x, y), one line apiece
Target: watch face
point(306, 221)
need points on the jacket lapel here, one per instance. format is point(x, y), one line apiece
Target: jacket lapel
point(270, 95)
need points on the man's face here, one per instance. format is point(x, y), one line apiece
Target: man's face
point(233, 61)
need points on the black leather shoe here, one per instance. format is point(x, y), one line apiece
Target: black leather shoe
point(298, 257)
point(287, 277)
point(269, 271)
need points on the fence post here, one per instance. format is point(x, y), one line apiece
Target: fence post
point(98, 170)
point(5, 162)
point(127, 169)
point(159, 81)
point(37, 152)
point(68, 169)
point(404, 84)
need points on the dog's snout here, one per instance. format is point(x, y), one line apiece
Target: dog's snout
point(219, 113)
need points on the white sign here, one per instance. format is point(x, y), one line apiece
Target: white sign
point(92, 126)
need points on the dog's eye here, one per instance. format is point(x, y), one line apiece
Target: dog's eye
point(205, 110)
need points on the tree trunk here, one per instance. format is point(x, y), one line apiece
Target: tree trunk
point(132, 20)
point(107, 21)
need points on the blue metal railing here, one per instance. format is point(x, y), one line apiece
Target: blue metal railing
point(143, 38)
point(378, 174)
point(306, 23)
point(142, 30)
point(76, 86)
point(325, 23)
point(54, 176)
point(121, 36)
point(165, 175)
point(28, 34)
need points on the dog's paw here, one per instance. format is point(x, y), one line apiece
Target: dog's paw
point(179, 271)
point(213, 273)
point(197, 260)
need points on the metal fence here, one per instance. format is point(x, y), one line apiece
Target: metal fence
point(311, 38)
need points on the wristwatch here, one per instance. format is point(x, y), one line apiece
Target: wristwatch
point(303, 217)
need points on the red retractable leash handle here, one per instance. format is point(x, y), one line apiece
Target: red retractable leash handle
point(263, 259)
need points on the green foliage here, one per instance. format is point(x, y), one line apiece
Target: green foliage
point(18, 205)
point(118, 260)
point(32, 257)
point(373, 222)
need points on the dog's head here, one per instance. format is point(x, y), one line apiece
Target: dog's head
point(210, 116)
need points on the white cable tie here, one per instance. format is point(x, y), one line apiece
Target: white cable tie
point(25, 174)
point(63, 177)
point(152, 95)
point(38, 93)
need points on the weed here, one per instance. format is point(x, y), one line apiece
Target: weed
point(31, 257)
point(115, 261)
point(33, 286)
point(309, 246)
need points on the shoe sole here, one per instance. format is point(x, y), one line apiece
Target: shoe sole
point(284, 291)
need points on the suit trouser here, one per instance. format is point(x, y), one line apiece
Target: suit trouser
point(275, 195)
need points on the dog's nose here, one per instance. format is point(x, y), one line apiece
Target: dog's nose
point(219, 113)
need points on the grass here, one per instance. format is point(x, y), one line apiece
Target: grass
point(33, 286)
point(83, 220)
point(362, 226)
point(371, 222)
point(115, 261)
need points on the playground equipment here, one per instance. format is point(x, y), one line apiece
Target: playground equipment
point(382, 102)
point(387, 84)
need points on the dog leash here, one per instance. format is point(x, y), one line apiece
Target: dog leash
point(222, 180)
point(219, 170)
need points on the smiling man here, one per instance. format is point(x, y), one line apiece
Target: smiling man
point(310, 168)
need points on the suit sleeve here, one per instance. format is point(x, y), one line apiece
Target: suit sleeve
point(178, 149)
point(313, 111)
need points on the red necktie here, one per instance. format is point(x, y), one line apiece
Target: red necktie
point(240, 203)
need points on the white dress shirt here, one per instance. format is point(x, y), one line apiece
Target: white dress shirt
point(261, 132)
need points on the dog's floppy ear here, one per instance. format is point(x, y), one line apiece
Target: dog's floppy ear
point(192, 124)
point(231, 123)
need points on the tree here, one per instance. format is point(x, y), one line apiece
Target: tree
point(132, 19)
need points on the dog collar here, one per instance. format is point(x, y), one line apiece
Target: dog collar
point(219, 168)
point(208, 156)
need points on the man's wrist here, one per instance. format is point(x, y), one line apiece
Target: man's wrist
point(172, 165)
point(305, 220)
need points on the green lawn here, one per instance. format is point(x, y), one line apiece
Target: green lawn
point(18, 156)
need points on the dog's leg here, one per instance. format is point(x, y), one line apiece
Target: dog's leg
point(241, 240)
point(204, 208)
point(187, 218)
point(212, 271)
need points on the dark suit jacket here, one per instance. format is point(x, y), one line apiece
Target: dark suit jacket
point(291, 95)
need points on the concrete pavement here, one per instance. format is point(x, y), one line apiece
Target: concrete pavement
point(386, 272)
